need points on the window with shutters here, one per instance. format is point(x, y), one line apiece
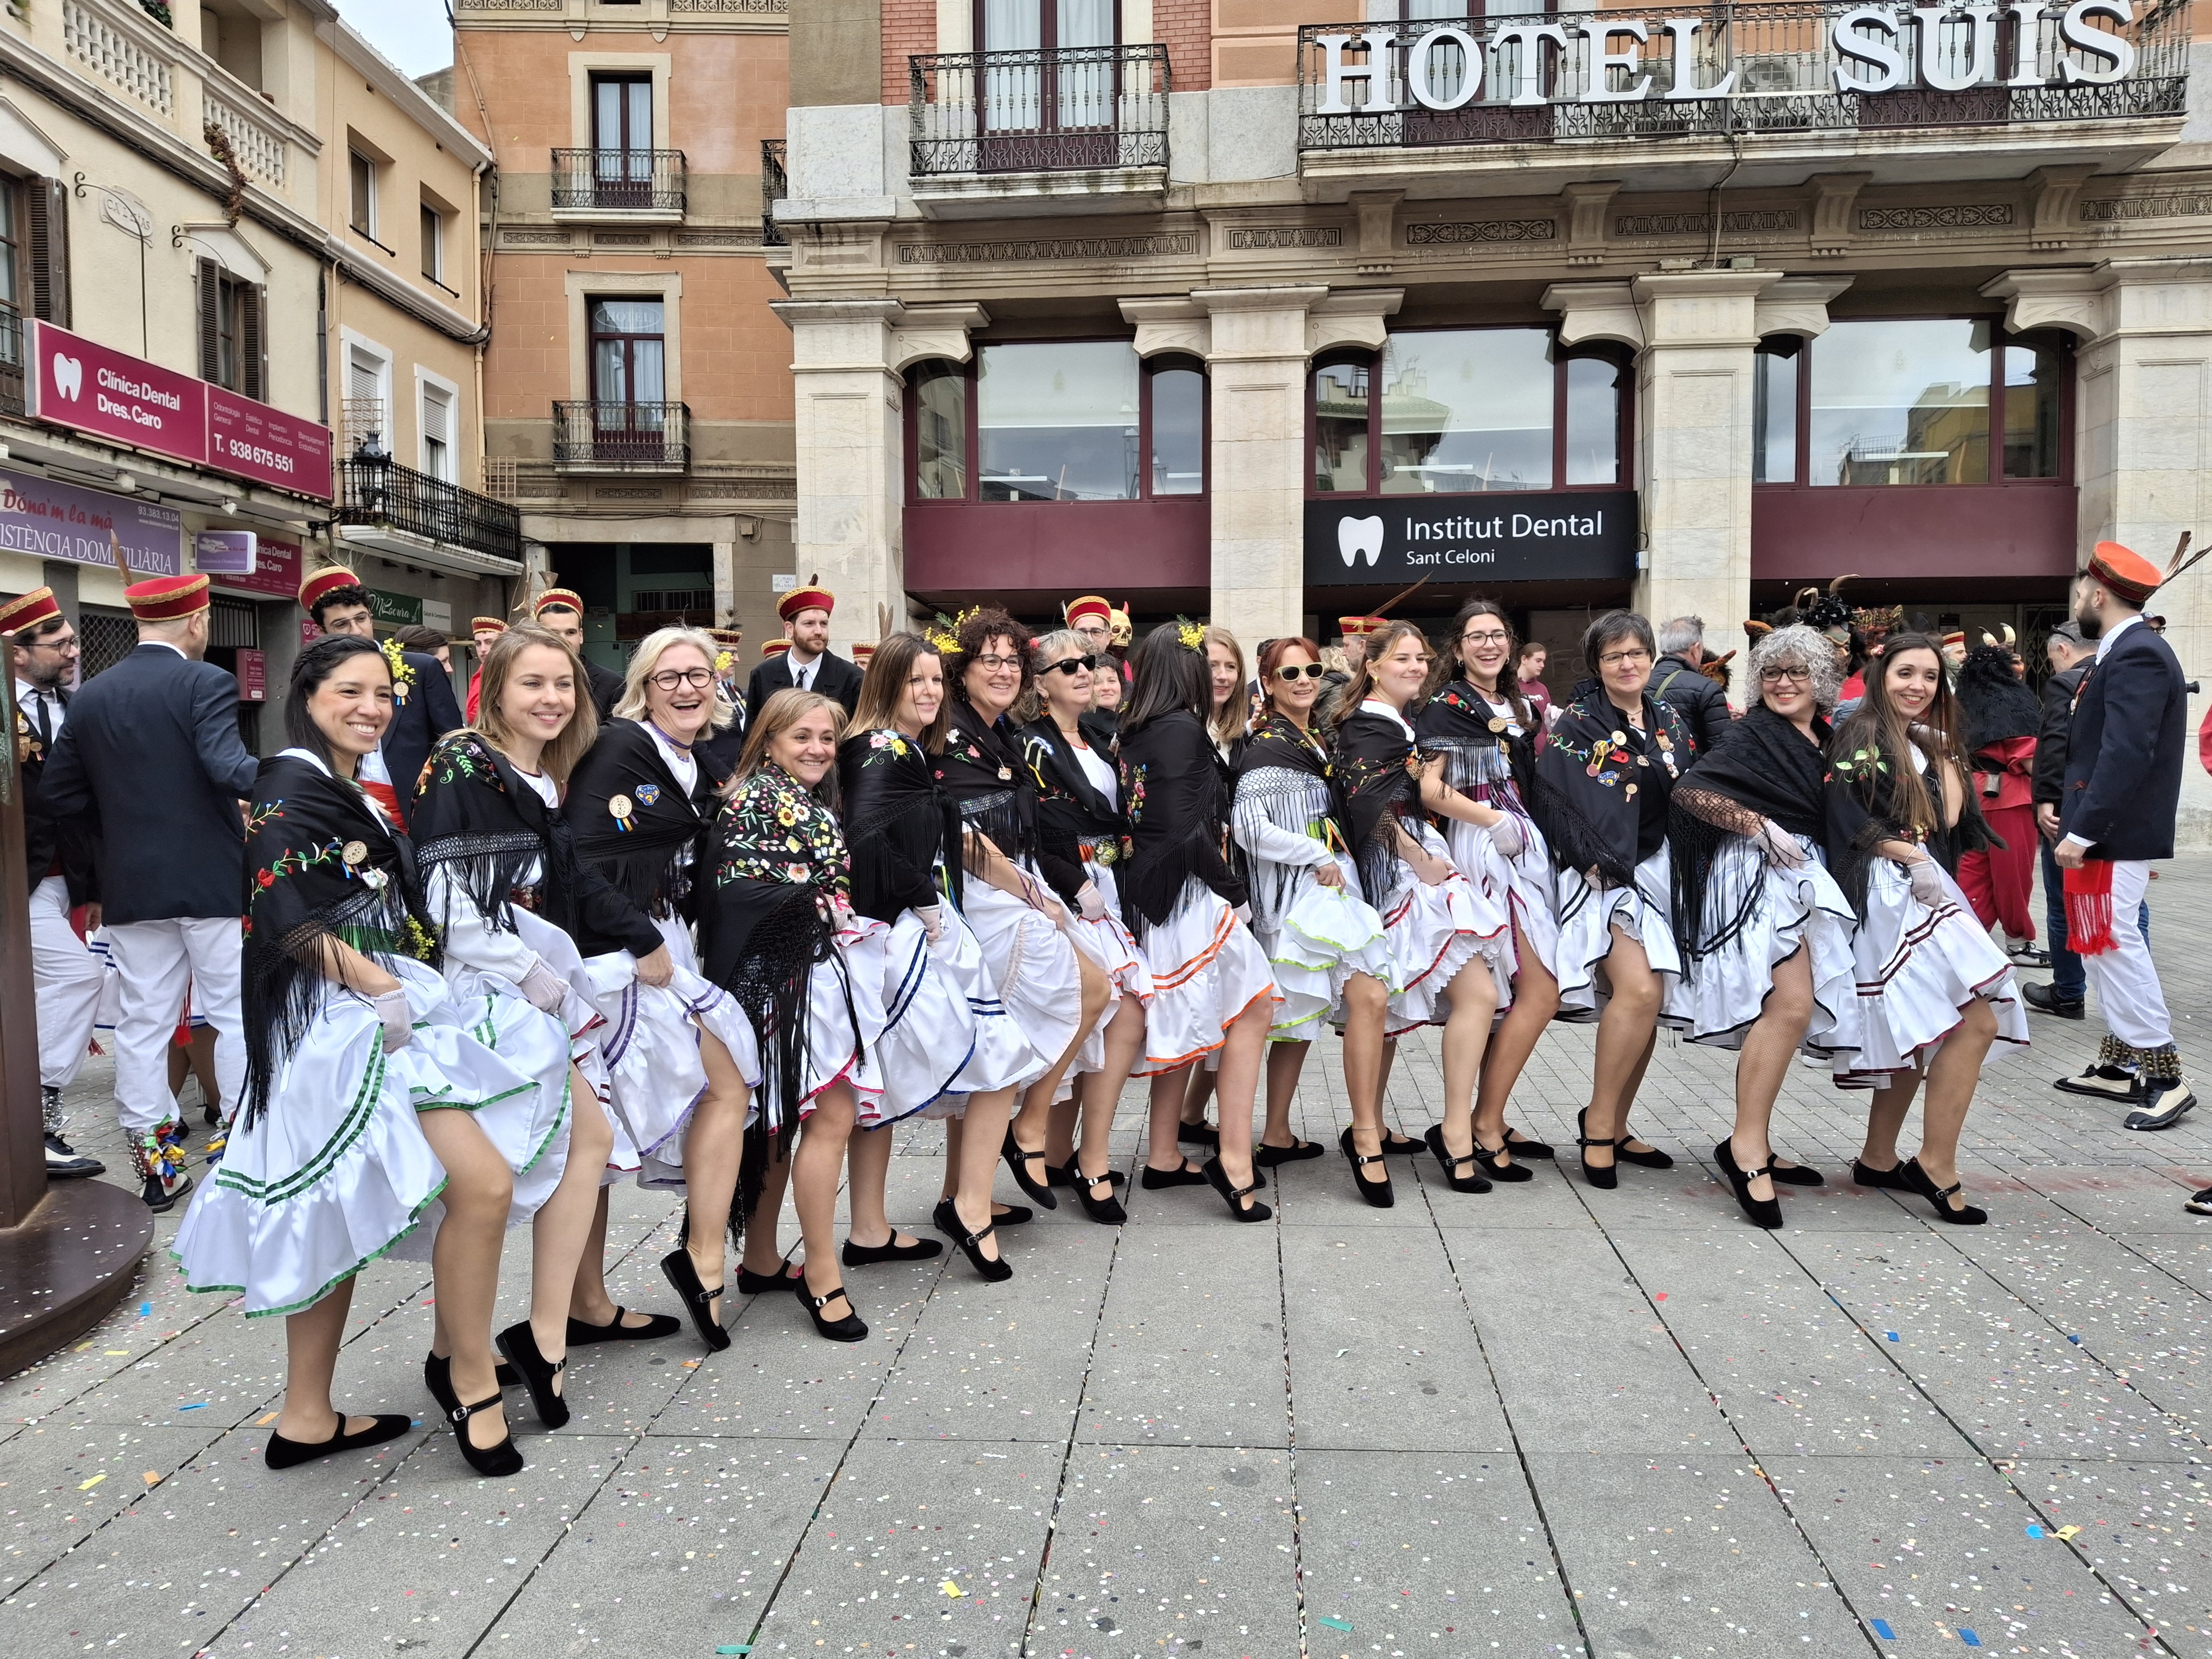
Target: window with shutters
point(233, 333)
point(367, 424)
point(44, 280)
point(438, 433)
point(362, 172)
point(433, 245)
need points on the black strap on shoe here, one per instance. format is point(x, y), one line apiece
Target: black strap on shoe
point(977, 1239)
point(461, 1414)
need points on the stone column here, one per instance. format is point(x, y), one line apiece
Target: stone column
point(2142, 437)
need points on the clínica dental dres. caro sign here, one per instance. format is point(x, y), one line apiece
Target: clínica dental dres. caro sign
point(1874, 48)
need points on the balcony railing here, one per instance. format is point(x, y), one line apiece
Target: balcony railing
point(1762, 66)
point(1039, 111)
point(619, 180)
point(381, 492)
point(622, 437)
point(776, 185)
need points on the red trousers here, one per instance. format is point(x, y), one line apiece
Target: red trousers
point(1999, 884)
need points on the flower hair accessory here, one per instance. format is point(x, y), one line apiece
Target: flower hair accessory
point(1189, 634)
point(945, 633)
point(724, 661)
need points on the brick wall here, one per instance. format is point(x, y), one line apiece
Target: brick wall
point(1186, 29)
point(909, 27)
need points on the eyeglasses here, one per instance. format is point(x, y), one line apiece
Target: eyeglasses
point(992, 665)
point(1071, 667)
point(54, 643)
point(1486, 637)
point(1293, 672)
point(669, 678)
point(1800, 675)
point(1622, 658)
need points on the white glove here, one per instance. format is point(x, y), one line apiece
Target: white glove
point(399, 1020)
point(1244, 914)
point(544, 989)
point(1505, 836)
point(933, 921)
point(1928, 885)
point(1089, 901)
point(1782, 848)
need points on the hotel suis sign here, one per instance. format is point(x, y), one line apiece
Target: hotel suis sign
point(1381, 540)
point(1870, 49)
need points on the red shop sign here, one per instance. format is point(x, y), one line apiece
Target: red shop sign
point(275, 572)
point(80, 383)
point(253, 676)
point(256, 441)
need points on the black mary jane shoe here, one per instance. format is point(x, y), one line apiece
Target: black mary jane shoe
point(1917, 1180)
point(438, 1378)
point(752, 1284)
point(1377, 1194)
point(850, 1329)
point(283, 1454)
point(497, 1460)
point(1018, 1161)
point(1217, 1176)
point(1182, 1175)
point(699, 1301)
point(1508, 1173)
point(1011, 1215)
point(1269, 1157)
point(1521, 1146)
point(1106, 1212)
point(1604, 1176)
point(867, 1255)
point(1653, 1160)
point(1069, 1176)
point(520, 1344)
point(1763, 1212)
point(583, 1333)
point(1200, 1133)
point(1797, 1174)
point(946, 1219)
point(1459, 1183)
point(1891, 1179)
point(1397, 1145)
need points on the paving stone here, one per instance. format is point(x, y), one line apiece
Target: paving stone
point(2144, 1527)
point(62, 1482)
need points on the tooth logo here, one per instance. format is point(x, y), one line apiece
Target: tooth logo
point(1357, 536)
point(68, 376)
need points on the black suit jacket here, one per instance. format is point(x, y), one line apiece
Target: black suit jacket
point(47, 841)
point(834, 677)
point(1702, 704)
point(606, 688)
point(427, 713)
point(2124, 749)
point(2049, 779)
point(151, 754)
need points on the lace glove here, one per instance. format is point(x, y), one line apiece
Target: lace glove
point(544, 989)
point(399, 1020)
point(1506, 836)
point(1091, 902)
point(1780, 848)
point(1928, 885)
point(932, 921)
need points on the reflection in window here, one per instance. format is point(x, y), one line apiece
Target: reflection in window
point(1467, 410)
point(1774, 412)
point(1593, 421)
point(1901, 402)
point(940, 432)
point(1178, 432)
point(1057, 421)
point(2032, 377)
point(1340, 428)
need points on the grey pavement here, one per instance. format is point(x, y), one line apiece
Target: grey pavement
point(1547, 1421)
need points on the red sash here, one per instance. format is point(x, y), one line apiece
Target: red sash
point(386, 797)
point(2089, 909)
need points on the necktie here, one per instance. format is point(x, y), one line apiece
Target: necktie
point(46, 720)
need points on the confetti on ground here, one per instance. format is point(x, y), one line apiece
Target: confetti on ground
point(2035, 1532)
point(144, 1309)
point(1335, 1624)
point(263, 1422)
point(1882, 1629)
point(948, 1587)
point(152, 1477)
point(197, 1404)
point(87, 1485)
point(1659, 1296)
point(80, 1347)
point(2067, 1532)
point(743, 1650)
point(1969, 1637)
point(1890, 1335)
point(2075, 1341)
point(118, 1354)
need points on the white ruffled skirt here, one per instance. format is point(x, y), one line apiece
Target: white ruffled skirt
point(1003, 1052)
point(1526, 882)
point(1207, 969)
point(1437, 931)
point(1326, 935)
point(1031, 963)
point(1916, 967)
point(1588, 916)
point(335, 1171)
point(1107, 943)
point(920, 1029)
point(1723, 993)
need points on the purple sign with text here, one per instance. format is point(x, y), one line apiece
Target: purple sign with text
point(54, 520)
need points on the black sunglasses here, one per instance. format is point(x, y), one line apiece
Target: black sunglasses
point(1312, 670)
point(1074, 665)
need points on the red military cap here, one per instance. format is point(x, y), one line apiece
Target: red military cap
point(775, 648)
point(1352, 626)
point(34, 608)
point(729, 638)
point(862, 653)
point(486, 625)
point(555, 599)
point(2126, 572)
point(1090, 606)
point(167, 599)
point(324, 583)
point(808, 597)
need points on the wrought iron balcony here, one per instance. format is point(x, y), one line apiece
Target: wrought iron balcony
point(1760, 66)
point(776, 185)
point(378, 492)
point(589, 437)
point(619, 180)
point(1072, 108)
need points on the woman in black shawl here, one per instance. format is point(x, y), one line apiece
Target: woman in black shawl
point(1764, 933)
point(1935, 994)
point(680, 1055)
point(1212, 986)
point(1607, 771)
point(342, 1144)
point(2001, 719)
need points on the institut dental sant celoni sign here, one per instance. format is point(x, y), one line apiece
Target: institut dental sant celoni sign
point(1583, 535)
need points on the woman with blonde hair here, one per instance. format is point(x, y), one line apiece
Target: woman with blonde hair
point(1228, 720)
point(680, 1054)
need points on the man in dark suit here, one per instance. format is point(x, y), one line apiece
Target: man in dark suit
point(424, 709)
point(810, 664)
point(724, 746)
point(561, 610)
point(42, 647)
point(2124, 749)
point(151, 751)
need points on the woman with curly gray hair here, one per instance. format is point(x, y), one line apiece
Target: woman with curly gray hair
point(1764, 930)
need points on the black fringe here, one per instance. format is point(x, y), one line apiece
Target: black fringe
point(1149, 886)
point(1000, 816)
point(895, 850)
point(485, 867)
point(1577, 844)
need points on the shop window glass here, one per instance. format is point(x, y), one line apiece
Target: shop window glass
point(2032, 378)
point(1593, 420)
point(1901, 402)
point(940, 432)
point(1057, 421)
point(1774, 413)
point(1178, 432)
point(1467, 410)
point(1340, 428)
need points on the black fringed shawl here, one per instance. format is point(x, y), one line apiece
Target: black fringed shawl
point(322, 864)
point(1862, 814)
point(1767, 769)
point(1379, 774)
point(638, 851)
point(1072, 812)
point(779, 862)
point(1485, 759)
point(1303, 778)
point(1591, 774)
point(1178, 812)
point(983, 768)
point(899, 822)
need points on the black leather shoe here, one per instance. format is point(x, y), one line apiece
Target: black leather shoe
point(438, 1378)
point(1605, 1177)
point(752, 1284)
point(1011, 1215)
point(1763, 1212)
point(1893, 1180)
point(1919, 1180)
point(850, 1329)
point(1066, 1175)
point(1522, 1147)
point(1106, 1212)
point(582, 1333)
point(2101, 1082)
point(1268, 1157)
point(65, 1163)
point(1217, 1176)
point(1797, 1174)
point(496, 1460)
point(2044, 999)
point(283, 1454)
point(702, 1302)
point(1376, 1193)
point(1397, 1145)
point(1465, 1183)
point(946, 1219)
point(867, 1255)
point(1198, 1134)
point(1040, 1192)
point(520, 1344)
point(2161, 1105)
point(1153, 1181)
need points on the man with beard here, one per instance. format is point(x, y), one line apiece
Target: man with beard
point(2124, 756)
point(2001, 717)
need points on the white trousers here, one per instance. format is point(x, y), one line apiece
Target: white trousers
point(68, 977)
point(2128, 993)
point(158, 960)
